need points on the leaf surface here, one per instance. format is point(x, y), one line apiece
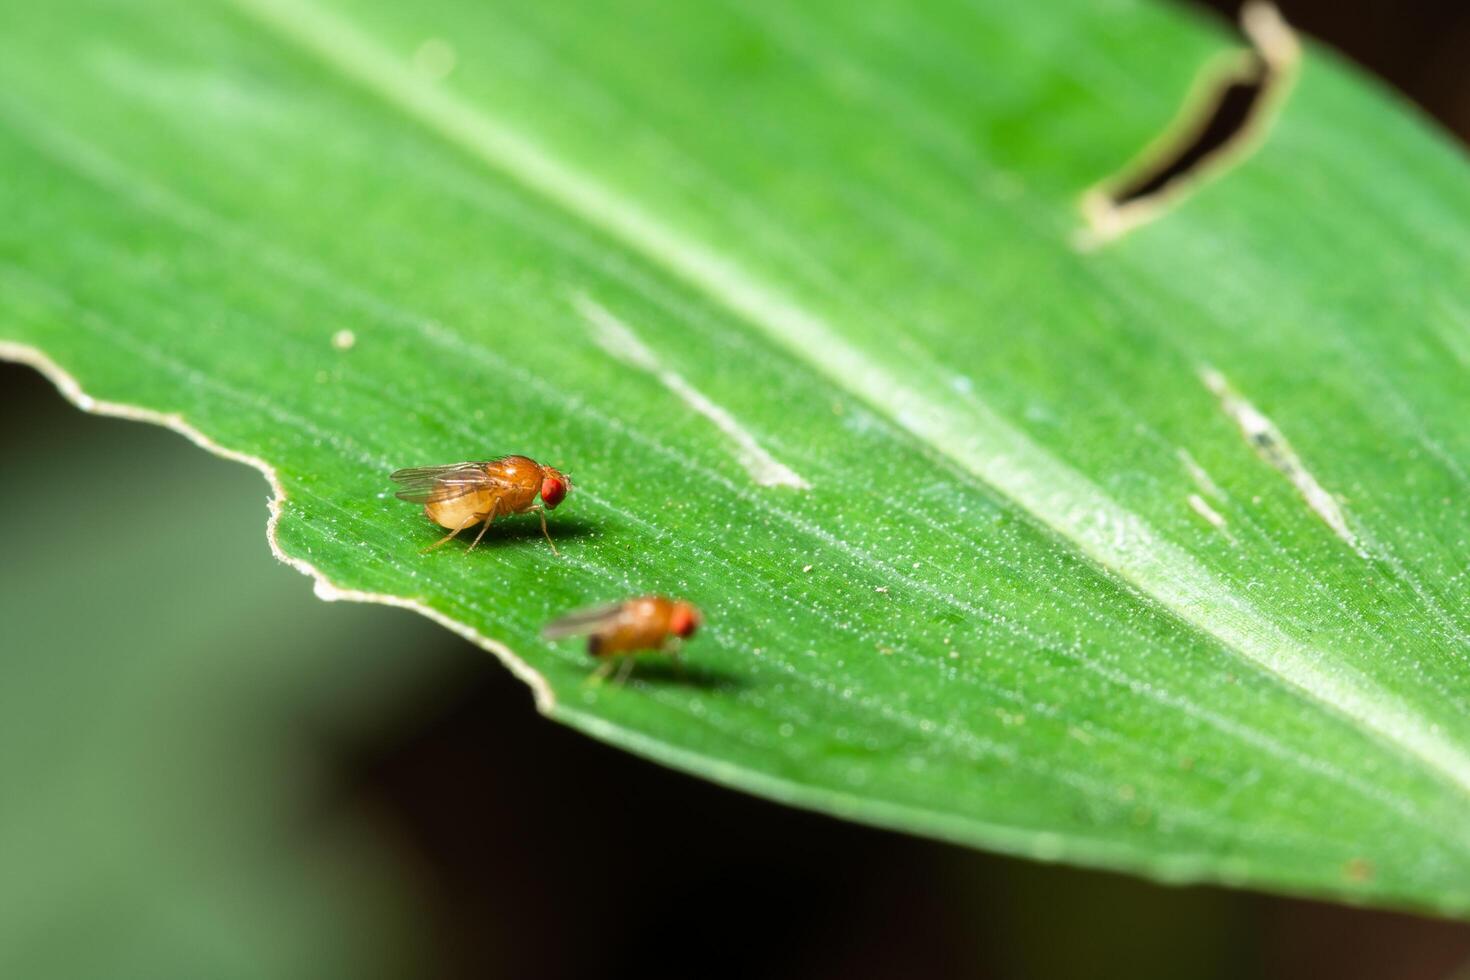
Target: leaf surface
point(1149, 555)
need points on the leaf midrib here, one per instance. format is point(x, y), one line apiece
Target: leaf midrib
point(980, 442)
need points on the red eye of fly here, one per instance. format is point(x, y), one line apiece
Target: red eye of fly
point(683, 621)
point(553, 489)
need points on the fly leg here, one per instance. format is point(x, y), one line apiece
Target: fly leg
point(541, 513)
point(447, 538)
point(624, 671)
point(494, 511)
point(600, 674)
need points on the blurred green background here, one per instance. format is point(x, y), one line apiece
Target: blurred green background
point(206, 772)
point(169, 695)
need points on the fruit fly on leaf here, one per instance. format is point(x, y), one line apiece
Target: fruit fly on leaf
point(461, 495)
point(619, 631)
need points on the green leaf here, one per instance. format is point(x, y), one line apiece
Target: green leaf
point(1147, 555)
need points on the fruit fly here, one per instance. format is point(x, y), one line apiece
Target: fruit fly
point(618, 631)
point(461, 495)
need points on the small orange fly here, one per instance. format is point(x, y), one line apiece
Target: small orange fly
point(461, 495)
point(625, 628)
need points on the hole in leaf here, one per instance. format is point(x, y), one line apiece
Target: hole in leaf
point(1231, 109)
point(1235, 97)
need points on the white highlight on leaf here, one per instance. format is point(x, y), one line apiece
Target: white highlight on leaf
point(973, 435)
point(619, 340)
point(1271, 445)
point(435, 58)
point(1200, 476)
point(1207, 485)
point(324, 588)
point(1210, 514)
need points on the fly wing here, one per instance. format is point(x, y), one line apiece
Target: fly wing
point(582, 622)
point(435, 484)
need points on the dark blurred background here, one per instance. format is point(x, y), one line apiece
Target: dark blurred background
point(219, 776)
